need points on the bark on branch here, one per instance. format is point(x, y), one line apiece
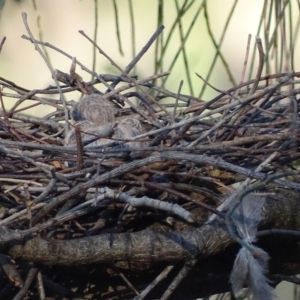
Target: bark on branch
point(149, 246)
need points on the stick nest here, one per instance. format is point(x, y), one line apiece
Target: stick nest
point(175, 172)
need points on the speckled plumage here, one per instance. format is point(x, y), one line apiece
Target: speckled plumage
point(96, 117)
point(127, 129)
point(89, 132)
point(93, 108)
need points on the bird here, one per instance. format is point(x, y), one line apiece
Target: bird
point(96, 135)
point(127, 129)
point(93, 108)
point(96, 117)
point(89, 132)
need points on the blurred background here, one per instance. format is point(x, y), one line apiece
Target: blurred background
point(190, 43)
point(207, 37)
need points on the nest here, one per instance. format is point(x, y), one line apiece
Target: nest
point(73, 204)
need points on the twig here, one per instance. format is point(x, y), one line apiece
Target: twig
point(144, 49)
point(46, 191)
point(176, 101)
point(79, 144)
point(188, 266)
point(2, 43)
point(176, 193)
point(245, 64)
point(260, 66)
point(2, 103)
point(24, 16)
point(23, 291)
point(40, 286)
point(20, 214)
point(95, 36)
point(154, 283)
point(148, 202)
point(125, 279)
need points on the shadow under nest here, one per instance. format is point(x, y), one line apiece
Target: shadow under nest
point(99, 213)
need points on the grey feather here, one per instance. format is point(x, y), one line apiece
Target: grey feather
point(239, 274)
point(93, 108)
point(247, 216)
point(258, 282)
point(249, 271)
point(251, 265)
